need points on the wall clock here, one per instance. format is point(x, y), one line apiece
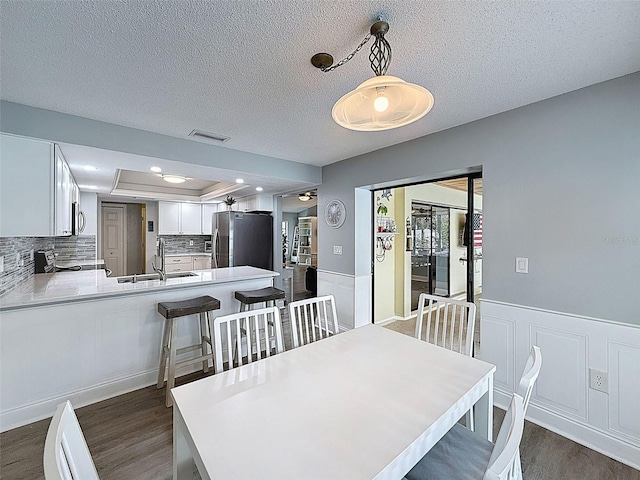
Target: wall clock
point(335, 213)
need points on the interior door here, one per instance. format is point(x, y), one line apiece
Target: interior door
point(113, 246)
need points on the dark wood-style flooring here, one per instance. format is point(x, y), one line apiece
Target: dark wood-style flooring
point(130, 437)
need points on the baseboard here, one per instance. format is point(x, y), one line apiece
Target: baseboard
point(41, 410)
point(578, 432)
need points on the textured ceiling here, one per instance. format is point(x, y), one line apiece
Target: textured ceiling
point(241, 68)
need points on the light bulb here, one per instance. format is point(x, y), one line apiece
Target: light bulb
point(381, 103)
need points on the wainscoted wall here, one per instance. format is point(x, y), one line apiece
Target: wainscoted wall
point(562, 400)
point(67, 249)
point(352, 294)
point(180, 243)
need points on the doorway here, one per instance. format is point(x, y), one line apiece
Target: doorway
point(430, 253)
point(123, 238)
point(427, 248)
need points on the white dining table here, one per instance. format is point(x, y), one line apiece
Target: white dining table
point(365, 404)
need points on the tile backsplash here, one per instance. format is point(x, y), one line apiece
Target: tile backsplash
point(68, 248)
point(180, 243)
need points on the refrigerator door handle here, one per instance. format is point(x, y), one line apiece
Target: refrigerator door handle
point(216, 236)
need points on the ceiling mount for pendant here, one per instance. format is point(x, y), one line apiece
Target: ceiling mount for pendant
point(383, 102)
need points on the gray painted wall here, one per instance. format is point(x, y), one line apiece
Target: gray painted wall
point(561, 187)
point(59, 127)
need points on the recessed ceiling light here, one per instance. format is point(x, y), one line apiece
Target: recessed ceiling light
point(87, 187)
point(156, 169)
point(259, 189)
point(239, 180)
point(174, 178)
point(90, 168)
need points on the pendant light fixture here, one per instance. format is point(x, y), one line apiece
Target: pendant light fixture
point(380, 103)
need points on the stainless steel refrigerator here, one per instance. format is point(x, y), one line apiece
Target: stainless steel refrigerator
point(242, 239)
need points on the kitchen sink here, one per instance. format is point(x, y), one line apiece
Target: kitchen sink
point(153, 276)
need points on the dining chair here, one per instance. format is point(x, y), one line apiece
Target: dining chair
point(462, 454)
point(447, 323)
point(66, 455)
point(530, 375)
point(313, 319)
point(258, 331)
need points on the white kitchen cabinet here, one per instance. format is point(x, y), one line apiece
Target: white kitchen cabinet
point(36, 188)
point(182, 263)
point(259, 202)
point(208, 209)
point(202, 262)
point(179, 218)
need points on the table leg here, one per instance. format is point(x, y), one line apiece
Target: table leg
point(184, 466)
point(484, 412)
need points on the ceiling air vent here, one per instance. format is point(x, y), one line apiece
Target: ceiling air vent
point(208, 137)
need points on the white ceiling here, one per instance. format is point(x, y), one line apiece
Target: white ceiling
point(242, 69)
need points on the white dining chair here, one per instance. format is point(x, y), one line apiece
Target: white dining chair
point(447, 323)
point(66, 455)
point(530, 375)
point(252, 332)
point(464, 455)
point(313, 319)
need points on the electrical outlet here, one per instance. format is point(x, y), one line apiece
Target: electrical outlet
point(31, 255)
point(19, 261)
point(1, 263)
point(522, 265)
point(337, 249)
point(599, 380)
point(191, 243)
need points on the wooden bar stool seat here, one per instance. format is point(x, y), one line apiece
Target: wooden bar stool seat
point(171, 311)
point(266, 295)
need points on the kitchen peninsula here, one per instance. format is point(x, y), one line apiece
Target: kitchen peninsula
point(85, 337)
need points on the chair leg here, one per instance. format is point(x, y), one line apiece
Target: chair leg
point(203, 342)
point(210, 319)
point(469, 420)
point(162, 367)
point(171, 377)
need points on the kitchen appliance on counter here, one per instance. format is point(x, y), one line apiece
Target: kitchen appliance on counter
point(207, 246)
point(241, 239)
point(45, 261)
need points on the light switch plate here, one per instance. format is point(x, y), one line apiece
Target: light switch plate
point(337, 249)
point(1, 263)
point(522, 265)
point(191, 243)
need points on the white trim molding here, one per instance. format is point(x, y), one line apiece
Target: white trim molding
point(563, 401)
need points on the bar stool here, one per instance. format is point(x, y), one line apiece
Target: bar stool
point(248, 298)
point(171, 311)
point(268, 295)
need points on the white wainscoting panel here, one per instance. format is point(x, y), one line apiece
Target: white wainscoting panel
point(352, 294)
point(566, 354)
point(562, 400)
point(496, 345)
point(624, 396)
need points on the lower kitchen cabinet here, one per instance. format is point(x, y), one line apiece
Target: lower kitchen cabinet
point(182, 263)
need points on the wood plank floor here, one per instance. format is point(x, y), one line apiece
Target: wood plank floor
point(130, 437)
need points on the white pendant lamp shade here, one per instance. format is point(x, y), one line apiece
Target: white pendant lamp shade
point(382, 103)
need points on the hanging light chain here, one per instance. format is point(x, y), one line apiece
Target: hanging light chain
point(348, 57)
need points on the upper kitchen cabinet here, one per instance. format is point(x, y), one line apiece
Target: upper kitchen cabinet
point(260, 202)
point(208, 209)
point(36, 188)
point(179, 218)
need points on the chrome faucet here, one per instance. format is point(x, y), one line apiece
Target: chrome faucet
point(160, 253)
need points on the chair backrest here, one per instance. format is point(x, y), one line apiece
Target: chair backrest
point(530, 375)
point(66, 455)
point(261, 329)
point(503, 463)
point(447, 323)
point(313, 319)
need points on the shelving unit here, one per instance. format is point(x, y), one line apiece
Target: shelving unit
point(307, 234)
point(296, 244)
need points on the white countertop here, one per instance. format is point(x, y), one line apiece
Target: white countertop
point(197, 254)
point(63, 287)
